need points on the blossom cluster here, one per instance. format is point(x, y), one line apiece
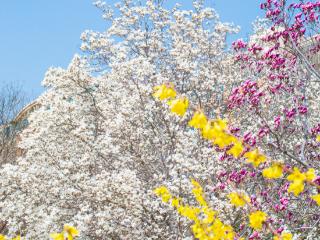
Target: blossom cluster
point(216, 131)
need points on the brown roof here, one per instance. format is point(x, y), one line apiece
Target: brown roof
point(25, 111)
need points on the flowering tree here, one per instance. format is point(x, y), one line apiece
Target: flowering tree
point(274, 113)
point(98, 146)
point(103, 139)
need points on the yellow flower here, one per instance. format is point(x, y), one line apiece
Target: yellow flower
point(273, 172)
point(71, 231)
point(239, 200)
point(310, 174)
point(208, 131)
point(318, 138)
point(296, 187)
point(2, 237)
point(256, 219)
point(175, 202)
point(217, 130)
point(296, 175)
point(221, 123)
point(163, 92)
point(16, 238)
point(236, 149)
point(316, 198)
point(189, 212)
point(179, 106)
point(164, 193)
point(199, 120)
point(57, 236)
point(255, 157)
point(223, 140)
point(205, 224)
point(210, 215)
point(297, 178)
point(284, 236)
point(222, 231)
point(198, 193)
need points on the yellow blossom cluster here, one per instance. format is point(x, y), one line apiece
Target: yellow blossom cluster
point(297, 180)
point(164, 92)
point(255, 157)
point(68, 233)
point(284, 236)
point(316, 198)
point(178, 105)
point(206, 224)
point(256, 219)
point(273, 172)
point(239, 200)
point(2, 237)
point(164, 193)
point(198, 193)
point(215, 131)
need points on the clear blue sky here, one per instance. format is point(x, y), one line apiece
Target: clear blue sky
point(37, 34)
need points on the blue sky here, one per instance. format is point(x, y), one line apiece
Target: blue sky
point(37, 34)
